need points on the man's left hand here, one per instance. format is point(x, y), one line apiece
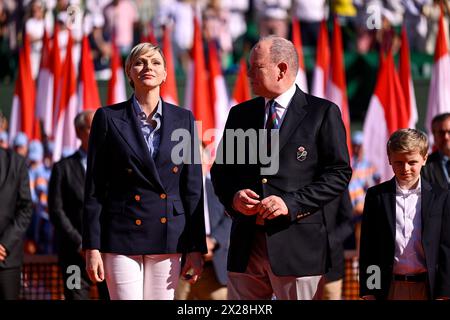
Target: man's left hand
point(272, 207)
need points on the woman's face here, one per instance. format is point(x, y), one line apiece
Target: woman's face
point(148, 71)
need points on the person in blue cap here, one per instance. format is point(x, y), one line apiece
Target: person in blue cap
point(20, 144)
point(4, 139)
point(41, 229)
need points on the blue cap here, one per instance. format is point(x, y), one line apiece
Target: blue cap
point(35, 151)
point(3, 136)
point(357, 137)
point(20, 140)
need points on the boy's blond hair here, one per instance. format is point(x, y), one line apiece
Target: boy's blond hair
point(408, 140)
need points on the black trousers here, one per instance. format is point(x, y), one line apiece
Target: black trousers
point(10, 283)
point(83, 293)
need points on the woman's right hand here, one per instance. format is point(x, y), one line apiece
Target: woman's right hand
point(94, 265)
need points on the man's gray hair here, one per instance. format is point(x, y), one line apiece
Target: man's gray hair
point(81, 118)
point(282, 49)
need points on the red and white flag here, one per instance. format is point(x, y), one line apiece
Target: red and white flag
point(241, 91)
point(301, 79)
point(56, 76)
point(197, 89)
point(23, 107)
point(336, 89)
point(439, 93)
point(322, 67)
point(218, 90)
point(88, 96)
point(116, 86)
point(44, 94)
point(169, 91)
point(406, 81)
point(66, 108)
point(386, 114)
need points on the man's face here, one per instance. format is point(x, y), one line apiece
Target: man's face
point(262, 72)
point(441, 134)
point(407, 166)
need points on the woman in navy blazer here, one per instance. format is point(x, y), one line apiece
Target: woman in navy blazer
point(143, 211)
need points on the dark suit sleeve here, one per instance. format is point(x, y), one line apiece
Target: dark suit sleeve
point(191, 190)
point(443, 274)
point(334, 163)
point(223, 176)
point(344, 226)
point(368, 226)
point(96, 181)
point(23, 210)
point(57, 214)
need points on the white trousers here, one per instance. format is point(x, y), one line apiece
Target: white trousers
point(258, 282)
point(142, 277)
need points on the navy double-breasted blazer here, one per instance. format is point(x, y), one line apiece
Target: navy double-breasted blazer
point(135, 204)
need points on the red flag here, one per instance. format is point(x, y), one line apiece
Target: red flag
point(337, 87)
point(116, 85)
point(197, 89)
point(300, 80)
point(439, 93)
point(23, 108)
point(406, 82)
point(169, 90)
point(218, 90)
point(384, 116)
point(66, 110)
point(322, 67)
point(241, 91)
point(88, 96)
point(44, 95)
point(56, 69)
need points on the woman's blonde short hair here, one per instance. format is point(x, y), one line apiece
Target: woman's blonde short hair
point(136, 52)
point(407, 140)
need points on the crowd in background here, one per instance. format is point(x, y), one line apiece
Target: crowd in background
point(233, 25)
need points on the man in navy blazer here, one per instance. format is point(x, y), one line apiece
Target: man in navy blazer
point(278, 237)
point(437, 169)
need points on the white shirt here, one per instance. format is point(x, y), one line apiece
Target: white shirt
point(206, 208)
point(409, 255)
point(283, 102)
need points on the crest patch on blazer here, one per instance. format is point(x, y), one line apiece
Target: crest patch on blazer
point(301, 153)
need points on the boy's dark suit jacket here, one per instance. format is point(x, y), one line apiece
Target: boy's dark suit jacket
point(297, 244)
point(378, 237)
point(135, 204)
point(15, 206)
point(433, 171)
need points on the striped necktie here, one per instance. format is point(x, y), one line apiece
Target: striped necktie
point(271, 123)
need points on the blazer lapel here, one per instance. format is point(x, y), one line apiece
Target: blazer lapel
point(294, 115)
point(426, 210)
point(439, 173)
point(168, 125)
point(388, 199)
point(78, 169)
point(129, 129)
